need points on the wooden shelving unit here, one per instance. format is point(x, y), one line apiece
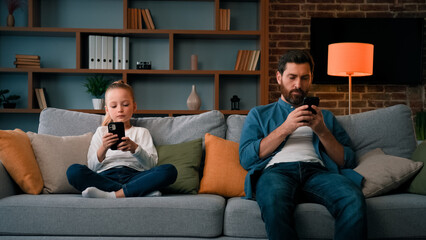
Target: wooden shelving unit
point(174, 37)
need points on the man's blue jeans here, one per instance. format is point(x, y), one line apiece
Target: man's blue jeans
point(134, 183)
point(281, 186)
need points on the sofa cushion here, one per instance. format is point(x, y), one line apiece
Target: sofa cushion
point(186, 157)
point(399, 216)
point(223, 173)
point(60, 122)
point(18, 158)
point(173, 130)
point(383, 173)
point(73, 215)
point(390, 129)
point(235, 125)
point(55, 154)
point(418, 185)
point(164, 130)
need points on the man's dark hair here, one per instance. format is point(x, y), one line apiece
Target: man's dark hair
point(295, 56)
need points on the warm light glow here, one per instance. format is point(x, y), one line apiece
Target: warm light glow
point(355, 59)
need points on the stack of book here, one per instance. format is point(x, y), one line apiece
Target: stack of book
point(27, 61)
point(41, 99)
point(108, 52)
point(224, 19)
point(247, 60)
point(136, 17)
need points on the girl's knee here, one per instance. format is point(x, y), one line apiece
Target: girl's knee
point(169, 171)
point(74, 170)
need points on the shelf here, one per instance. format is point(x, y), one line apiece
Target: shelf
point(183, 28)
point(130, 71)
point(138, 112)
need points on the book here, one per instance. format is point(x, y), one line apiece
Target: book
point(139, 15)
point(22, 62)
point(43, 98)
point(104, 54)
point(228, 19)
point(98, 52)
point(92, 51)
point(125, 58)
point(40, 104)
point(238, 62)
point(145, 19)
point(134, 18)
point(148, 15)
point(118, 52)
point(110, 52)
point(27, 66)
point(27, 56)
point(256, 60)
point(129, 18)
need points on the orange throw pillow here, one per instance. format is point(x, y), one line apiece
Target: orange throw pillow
point(223, 174)
point(18, 159)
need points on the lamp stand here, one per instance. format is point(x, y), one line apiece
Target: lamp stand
point(350, 92)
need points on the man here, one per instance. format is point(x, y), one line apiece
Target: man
point(291, 153)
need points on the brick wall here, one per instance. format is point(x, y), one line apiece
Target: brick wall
point(289, 28)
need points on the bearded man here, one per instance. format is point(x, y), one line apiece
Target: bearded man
point(293, 155)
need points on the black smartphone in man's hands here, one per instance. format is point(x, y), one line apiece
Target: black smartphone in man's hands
point(116, 128)
point(311, 101)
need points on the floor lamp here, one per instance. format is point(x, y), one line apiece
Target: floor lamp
point(350, 59)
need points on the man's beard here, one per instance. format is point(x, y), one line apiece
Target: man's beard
point(295, 100)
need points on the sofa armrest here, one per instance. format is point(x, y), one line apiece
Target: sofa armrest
point(7, 187)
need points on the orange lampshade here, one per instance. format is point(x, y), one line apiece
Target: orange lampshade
point(348, 58)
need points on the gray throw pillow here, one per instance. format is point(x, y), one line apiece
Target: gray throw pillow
point(384, 173)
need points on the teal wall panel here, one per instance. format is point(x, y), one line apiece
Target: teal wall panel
point(82, 14)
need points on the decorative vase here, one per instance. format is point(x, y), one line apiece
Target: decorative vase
point(98, 103)
point(193, 102)
point(10, 20)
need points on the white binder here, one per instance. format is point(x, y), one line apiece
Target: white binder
point(104, 52)
point(110, 52)
point(98, 53)
point(92, 51)
point(125, 52)
point(118, 53)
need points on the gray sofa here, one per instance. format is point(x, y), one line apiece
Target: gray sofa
point(396, 215)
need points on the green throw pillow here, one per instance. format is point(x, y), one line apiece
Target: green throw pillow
point(418, 185)
point(186, 157)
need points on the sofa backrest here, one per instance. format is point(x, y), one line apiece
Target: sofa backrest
point(164, 130)
point(390, 129)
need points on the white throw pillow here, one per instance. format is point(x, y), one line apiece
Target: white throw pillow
point(55, 154)
point(384, 173)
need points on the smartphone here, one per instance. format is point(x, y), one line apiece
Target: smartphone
point(116, 128)
point(311, 101)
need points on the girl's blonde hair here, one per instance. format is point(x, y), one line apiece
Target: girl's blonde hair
point(117, 84)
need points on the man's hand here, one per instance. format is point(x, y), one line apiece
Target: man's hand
point(317, 122)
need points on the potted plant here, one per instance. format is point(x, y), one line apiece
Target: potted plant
point(12, 5)
point(8, 101)
point(96, 86)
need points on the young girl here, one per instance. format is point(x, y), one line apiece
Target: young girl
point(128, 171)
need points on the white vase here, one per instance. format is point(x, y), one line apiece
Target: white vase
point(98, 103)
point(193, 102)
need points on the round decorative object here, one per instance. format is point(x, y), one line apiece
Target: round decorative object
point(193, 102)
point(10, 20)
